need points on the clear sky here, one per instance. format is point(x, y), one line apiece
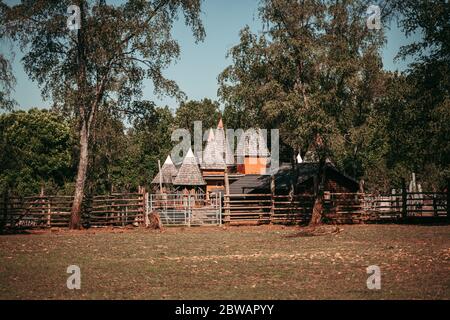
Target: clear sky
point(199, 65)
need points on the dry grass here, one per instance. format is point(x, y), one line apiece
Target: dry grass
point(228, 263)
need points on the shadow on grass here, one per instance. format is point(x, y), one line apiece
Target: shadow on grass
point(6, 232)
point(320, 230)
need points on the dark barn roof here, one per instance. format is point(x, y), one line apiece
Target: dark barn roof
point(261, 183)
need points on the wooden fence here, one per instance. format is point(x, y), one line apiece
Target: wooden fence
point(408, 205)
point(267, 208)
point(130, 209)
point(36, 211)
point(338, 207)
point(117, 209)
point(54, 211)
point(346, 208)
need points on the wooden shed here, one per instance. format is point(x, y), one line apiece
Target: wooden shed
point(335, 181)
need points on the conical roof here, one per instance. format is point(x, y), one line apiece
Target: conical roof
point(189, 173)
point(220, 124)
point(217, 154)
point(168, 170)
point(212, 155)
point(223, 143)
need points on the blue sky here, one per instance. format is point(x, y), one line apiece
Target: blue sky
point(199, 65)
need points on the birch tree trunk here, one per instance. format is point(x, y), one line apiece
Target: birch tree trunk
point(75, 218)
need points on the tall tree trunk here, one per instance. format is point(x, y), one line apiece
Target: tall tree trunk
point(75, 218)
point(316, 218)
point(317, 212)
point(319, 184)
point(75, 213)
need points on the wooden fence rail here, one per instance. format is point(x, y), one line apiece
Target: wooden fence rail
point(38, 211)
point(131, 208)
point(117, 210)
point(54, 211)
point(338, 207)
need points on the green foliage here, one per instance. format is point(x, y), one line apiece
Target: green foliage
point(7, 79)
point(315, 69)
point(125, 158)
point(35, 151)
point(415, 109)
point(206, 111)
point(149, 141)
point(117, 47)
point(7, 82)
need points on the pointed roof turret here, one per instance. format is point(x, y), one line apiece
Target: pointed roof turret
point(213, 154)
point(210, 135)
point(220, 124)
point(168, 170)
point(223, 142)
point(189, 173)
point(217, 154)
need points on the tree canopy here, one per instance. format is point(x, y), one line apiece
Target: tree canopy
point(314, 71)
point(114, 50)
point(36, 151)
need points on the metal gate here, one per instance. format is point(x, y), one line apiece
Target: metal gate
point(187, 209)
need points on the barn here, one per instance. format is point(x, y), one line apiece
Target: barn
point(303, 173)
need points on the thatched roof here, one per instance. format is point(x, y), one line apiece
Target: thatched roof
point(253, 144)
point(217, 154)
point(189, 173)
point(169, 172)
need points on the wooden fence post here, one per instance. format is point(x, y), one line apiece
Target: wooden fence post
point(448, 199)
point(189, 211)
point(5, 210)
point(404, 200)
point(227, 198)
point(272, 197)
point(49, 214)
point(146, 207)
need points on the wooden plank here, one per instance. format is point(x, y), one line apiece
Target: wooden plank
point(250, 195)
point(248, 201)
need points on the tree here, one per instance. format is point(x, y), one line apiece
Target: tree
point(36, 151)
point(115, 49)
point(314, 73)
point(414, 111)
point(206, 111)
point(7, 79)
point(108, 149)
point(428, 91)
point(148, 141)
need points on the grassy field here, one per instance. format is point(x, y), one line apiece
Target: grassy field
point(228, 263)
